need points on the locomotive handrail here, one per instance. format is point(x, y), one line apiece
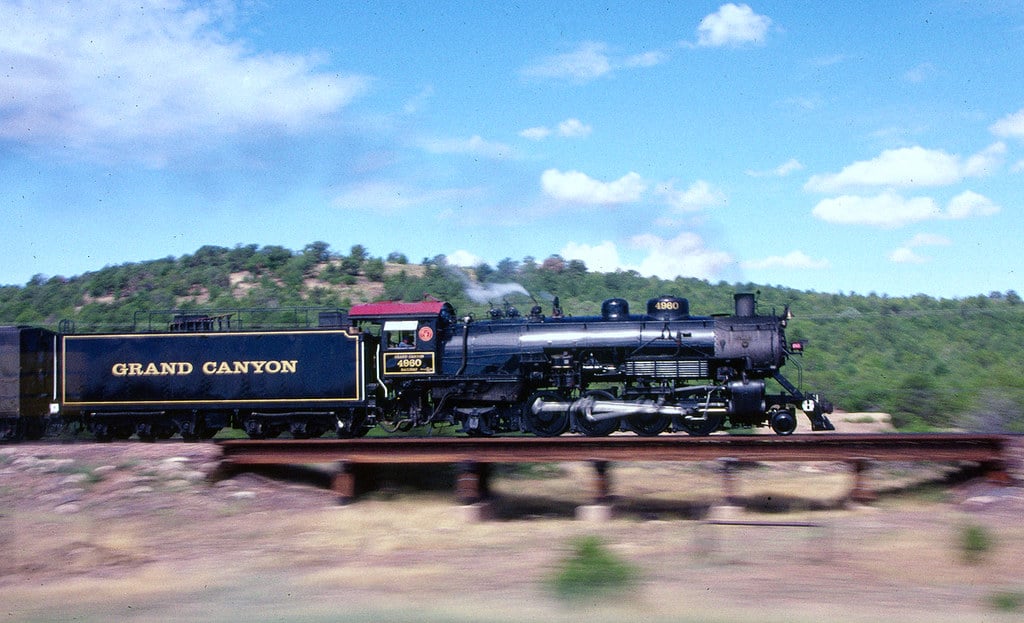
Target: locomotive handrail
point(160, 319)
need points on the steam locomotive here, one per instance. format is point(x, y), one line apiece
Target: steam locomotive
point(400, 365)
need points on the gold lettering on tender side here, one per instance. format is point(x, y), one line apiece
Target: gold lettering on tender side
point(153, 368)
point(184, 368)
point(273, 366)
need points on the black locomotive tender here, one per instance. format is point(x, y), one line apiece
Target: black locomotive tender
point(401, 365)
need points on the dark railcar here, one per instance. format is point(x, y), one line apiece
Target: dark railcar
point(196, 383)
point(26, 382)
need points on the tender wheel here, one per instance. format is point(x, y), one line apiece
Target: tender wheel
point(254, 429)
point(352, 426)
point(546, 422)
point(102, 432)
point(702, 428)
point(196, 434)
point(306, 430)
point(600, 428)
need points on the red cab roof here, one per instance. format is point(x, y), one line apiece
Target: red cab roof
point(392, 309)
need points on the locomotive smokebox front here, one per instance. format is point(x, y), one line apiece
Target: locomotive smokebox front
point(745, 336)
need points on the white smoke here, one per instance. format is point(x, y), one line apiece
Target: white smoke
point(486, 292)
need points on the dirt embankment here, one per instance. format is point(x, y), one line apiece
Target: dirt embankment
point(91, 532)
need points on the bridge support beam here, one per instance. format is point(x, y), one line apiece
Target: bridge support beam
point(350, 480)
point(997, 472)
point(344, 482)
point(862, 492)
point(473, 482)
point(601, 507)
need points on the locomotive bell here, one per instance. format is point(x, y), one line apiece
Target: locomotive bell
point(668, 308)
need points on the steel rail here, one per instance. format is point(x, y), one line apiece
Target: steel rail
point(939, 447)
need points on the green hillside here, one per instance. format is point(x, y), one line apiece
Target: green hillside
point(930, 362)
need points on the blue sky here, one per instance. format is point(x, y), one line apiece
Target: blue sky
point(837, 147)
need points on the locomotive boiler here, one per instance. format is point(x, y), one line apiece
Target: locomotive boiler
point(401, 365)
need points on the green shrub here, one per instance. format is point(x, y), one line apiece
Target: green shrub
point(975, 543)
point(1006, 601)
point(591, 570)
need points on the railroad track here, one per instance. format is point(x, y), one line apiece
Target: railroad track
point(475, 455)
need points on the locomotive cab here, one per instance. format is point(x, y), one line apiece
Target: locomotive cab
point(407, 334)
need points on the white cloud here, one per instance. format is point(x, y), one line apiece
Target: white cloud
point(890, 209)
point(903, 255)
point(885, 210)
point(603, 257)
point(686, 255)
point(906, 254)
point(115, 79)
point(646, 59)
point(463, 259)
point(909, 167)
point(968, 204)
point(587, 62)
point(474, 146)
point(794, 259)
point(985, 161)
point(576, 187)
point(697, 196)
point(901, 168)
point(790, 166)
point(570, 128)
point(732, 25)
point(574, 128)
point(538, 133)
point(1010, 126)
point(928, 240)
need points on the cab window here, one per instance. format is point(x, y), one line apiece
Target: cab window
point(400, 334)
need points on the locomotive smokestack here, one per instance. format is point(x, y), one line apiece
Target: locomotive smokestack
point(745, 304)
